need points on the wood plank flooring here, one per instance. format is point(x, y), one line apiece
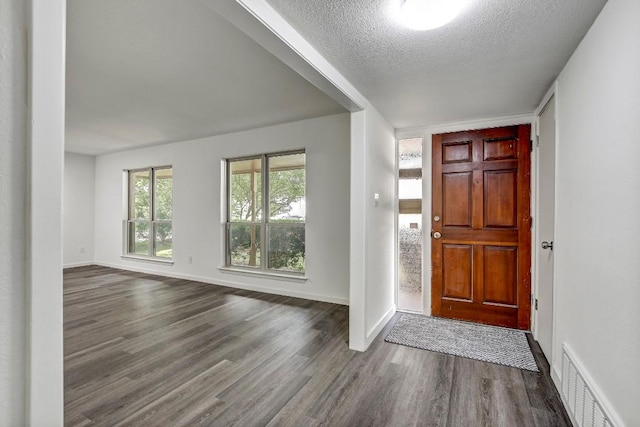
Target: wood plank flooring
point(145, 350)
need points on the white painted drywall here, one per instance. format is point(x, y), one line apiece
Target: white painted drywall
point(77, 215)
point(44, 209)
point(597, 249)
point(380, 223)
point(13, 178)
point(157, 61)
point(358, 233)
point(258, 20)
point(197, 222)
point(372, 274)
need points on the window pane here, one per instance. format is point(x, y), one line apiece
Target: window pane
point(245, 189)
point(244, 242)
point(164, 239)
point(410, 153)
point(139, 206)
point(410, 188)
point(164, 193)
point(286, 247)
point(410, 262)
point(139, 238)
point(287, 188)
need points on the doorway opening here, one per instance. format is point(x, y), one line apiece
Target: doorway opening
point(481, 226)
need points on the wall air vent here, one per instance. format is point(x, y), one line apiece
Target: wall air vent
point(582, 404)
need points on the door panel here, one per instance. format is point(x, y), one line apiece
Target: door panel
point(500, 277)
point(545, 227)
point(500, 148)
point(481, 242)
point(457, 199)
point(456, 152)
point(456, 276)
point(501, 198)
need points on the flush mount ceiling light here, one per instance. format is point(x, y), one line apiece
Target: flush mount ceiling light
point(429, 14)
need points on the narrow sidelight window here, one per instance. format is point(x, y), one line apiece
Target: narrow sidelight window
point(149, 231)
point(410, 292)
point(265, 228)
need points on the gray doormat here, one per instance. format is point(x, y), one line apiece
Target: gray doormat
point(503, 346)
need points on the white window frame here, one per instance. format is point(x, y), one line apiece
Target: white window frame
point(152, 221)
point(264, 223)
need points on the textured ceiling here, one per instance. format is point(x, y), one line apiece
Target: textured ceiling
point(497, 58)
point(142, 72)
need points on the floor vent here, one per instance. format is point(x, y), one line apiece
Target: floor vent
point(582, 404)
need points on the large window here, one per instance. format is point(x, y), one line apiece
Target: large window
point(150, 210)
point(265, 227)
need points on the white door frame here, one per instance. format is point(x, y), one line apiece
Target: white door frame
point(426, 133)
point(552, 92)
point(44, 386)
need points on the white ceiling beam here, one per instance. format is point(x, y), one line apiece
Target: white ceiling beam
point(259, 21)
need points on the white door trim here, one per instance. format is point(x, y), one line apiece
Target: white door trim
point(427, 133)
point(551, 93)
point(45, 385)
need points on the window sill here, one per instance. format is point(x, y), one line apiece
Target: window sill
point(152, 260)
point(265, 274)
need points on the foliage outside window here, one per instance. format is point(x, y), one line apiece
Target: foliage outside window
point(265, 226)
point(150, 211)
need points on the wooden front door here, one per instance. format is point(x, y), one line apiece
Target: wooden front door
point(481, 226)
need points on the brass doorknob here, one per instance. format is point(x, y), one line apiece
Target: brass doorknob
point(437, 235)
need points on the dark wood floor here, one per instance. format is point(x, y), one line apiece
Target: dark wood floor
point(144, 350)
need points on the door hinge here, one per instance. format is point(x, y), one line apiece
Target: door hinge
point(531, 145)
point(530, 222)
point(536, 304)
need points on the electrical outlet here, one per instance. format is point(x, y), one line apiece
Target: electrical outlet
point(81, 249)
point(189, 259)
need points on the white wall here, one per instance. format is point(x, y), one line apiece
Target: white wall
point(380, 222)
point(372, 273)
point(78, 229)
point(13, 177)
point(597, 250)
point(197, 218)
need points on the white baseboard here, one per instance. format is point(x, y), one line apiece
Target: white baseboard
point(78, 264)
point(555, 377)
point(375, 330)
point(236, 285)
